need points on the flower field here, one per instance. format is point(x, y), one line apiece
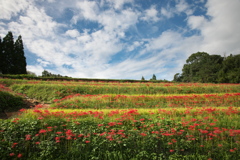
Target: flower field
point(123, 121)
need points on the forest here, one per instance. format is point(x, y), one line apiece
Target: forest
point(204, 68)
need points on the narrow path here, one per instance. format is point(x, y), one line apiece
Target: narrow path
point(28, 103)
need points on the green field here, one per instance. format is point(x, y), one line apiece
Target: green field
point(121, 121)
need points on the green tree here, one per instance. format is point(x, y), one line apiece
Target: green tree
point(154, 78)
point(7, 53)
point(1, 56)
point(230, 71)
point(202, 67)
point(143, 79)
point(177, 77)
point(12, 56)
point(19, 58)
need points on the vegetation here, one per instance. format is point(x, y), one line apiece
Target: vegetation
point(114, 120)
point(12, 56)
point(205, 68)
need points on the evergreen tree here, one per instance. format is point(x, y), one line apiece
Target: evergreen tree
point(154, 78)
point(143, 79)
point(19, 58)
point(12, 56)
point(7, 54)
point(1, 58)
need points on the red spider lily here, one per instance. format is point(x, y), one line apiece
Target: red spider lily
point(171, 150)
point(22, 110)
point(80, 135)
point(143, 134)
point(11, 154)
point(28, 137)
point(42, 131)
point(14, 145)
point(37, 142)
point(19, 155)
point(87, 141)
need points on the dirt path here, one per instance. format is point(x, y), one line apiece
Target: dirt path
point(28, 103)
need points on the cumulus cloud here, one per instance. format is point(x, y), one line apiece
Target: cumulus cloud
point(220, 31)
point(12, 8)
point(97, 32)
point(72, 33)
point(118, 4)
point(151, 14)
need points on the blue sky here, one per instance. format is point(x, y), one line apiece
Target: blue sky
point(120, 39)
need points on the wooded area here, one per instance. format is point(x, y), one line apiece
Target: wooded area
point(205, 68)
point(12, 56)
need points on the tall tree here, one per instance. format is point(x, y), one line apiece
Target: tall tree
point(230, 71)
point(7, 53)
point(19, 58)
point(1, 58)
point(202, 67)
point(154, 78)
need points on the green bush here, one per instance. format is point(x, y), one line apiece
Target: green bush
point(9, 102)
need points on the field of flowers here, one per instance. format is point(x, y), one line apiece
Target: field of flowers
point(123, 121)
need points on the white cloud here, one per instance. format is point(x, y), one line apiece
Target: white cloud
point(12, 8)
point(135, 45)
point(183, 6)
point(37, 69)
point(196, 22)
point(88, 10)
point(76, 51)
point(221, 32)
point(118, 4)
point(72, 33)
point(151, 14)
point(166, 13)
point(42, 62)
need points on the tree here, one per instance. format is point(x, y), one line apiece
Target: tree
point(19, 58)
point(177, 77)
point(31, 73)
point(143, 79)
point(230, 71)
point(202, 67)
point(154, 78)
point(7, 53)
point(12, 56)
point(1, 56)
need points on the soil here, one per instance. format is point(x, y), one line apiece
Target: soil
point(28, 104)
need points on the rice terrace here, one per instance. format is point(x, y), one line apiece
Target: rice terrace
point(114, 120)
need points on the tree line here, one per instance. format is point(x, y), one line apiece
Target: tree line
point(12, 59)
point(205, 68)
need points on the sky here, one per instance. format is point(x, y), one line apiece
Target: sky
point(120, 39)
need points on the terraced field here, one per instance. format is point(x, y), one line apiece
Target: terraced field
point(125, 121)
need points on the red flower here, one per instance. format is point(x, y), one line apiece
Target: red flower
point(171, 150)
point(14, 145)
point(87, 141)
point(37, 142)
point(11, 154)
point(19, 155)
point(143, 134)
point(28, 137)
point(42, 131)
point(232, 150)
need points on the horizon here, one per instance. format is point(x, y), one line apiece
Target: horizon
point(120, 39)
